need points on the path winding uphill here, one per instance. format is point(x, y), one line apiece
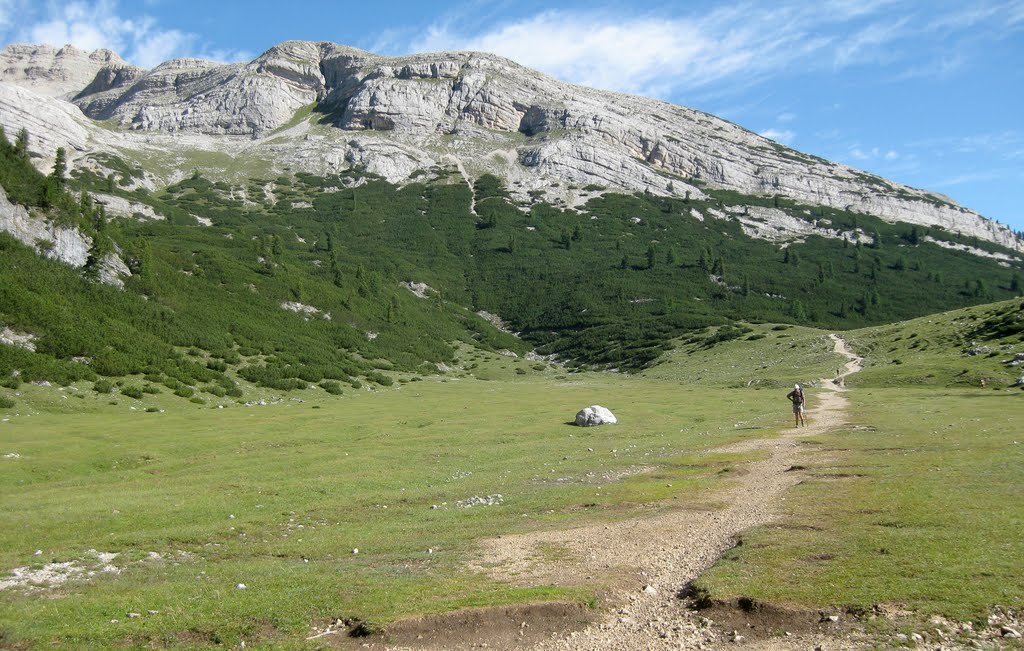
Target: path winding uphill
point(672, 550)
point(660, 555)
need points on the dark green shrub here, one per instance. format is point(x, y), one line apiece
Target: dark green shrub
point(132, 391)
point(379, 378)
point(6, 403)
point(152, 410)
point(331, 387)
point(103, 386)
point(197, 400)
point(151, 389)
point(184, 391)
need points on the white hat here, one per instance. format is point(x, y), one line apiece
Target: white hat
point(796, 386)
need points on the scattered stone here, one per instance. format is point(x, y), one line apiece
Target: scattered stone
point(134, 615)
point(240, 586)
point(1011, 633)
point(37, 552)
point(650, 589)
point(476, 500)
point(355, 551)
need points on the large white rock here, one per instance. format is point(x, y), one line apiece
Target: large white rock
point(595, 415)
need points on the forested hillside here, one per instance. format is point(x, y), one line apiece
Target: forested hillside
point(303, 279)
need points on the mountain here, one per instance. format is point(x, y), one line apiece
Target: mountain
point(324, 108)
point(323, 216)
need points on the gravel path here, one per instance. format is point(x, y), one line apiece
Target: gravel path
point(664, 553)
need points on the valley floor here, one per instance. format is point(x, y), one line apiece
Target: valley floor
point(657, 557)
point(702, 520)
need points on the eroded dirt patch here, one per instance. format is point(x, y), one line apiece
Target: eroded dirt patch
point(511, 627)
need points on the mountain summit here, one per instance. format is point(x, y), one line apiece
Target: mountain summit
point(321, 108)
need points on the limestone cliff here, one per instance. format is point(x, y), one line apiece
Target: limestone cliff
point(323, 107)
point(67, 245)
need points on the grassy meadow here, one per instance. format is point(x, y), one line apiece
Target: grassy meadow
point(917, 502)
point(197, 500)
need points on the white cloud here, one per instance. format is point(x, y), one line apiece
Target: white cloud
point(8, 10)
point(730, 47)
point(972, 177)
point(94, 24)
point(785, 136)
point(788, 116)
point(867, 45)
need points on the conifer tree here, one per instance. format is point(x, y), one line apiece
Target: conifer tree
point(60, 166)
point(21, 143)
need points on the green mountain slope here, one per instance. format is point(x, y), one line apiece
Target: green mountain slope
point(608, 286)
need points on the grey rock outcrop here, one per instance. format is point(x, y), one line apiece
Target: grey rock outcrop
point(476, 113)
point(66, 245)
point(54, 72)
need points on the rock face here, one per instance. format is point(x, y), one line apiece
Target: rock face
point(595, 415)
point(476, 113)
point(55, 72)
point(65, 245)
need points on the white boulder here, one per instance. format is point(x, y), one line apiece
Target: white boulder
point(595, 415)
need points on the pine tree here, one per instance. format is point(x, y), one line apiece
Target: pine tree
point(60, 166)
point(21, 143)
point(652, 254)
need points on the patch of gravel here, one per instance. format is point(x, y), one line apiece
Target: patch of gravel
point(51, 575)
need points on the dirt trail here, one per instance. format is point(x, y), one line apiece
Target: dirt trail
point(655, 557)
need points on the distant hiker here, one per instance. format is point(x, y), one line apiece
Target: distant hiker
point(796, 396)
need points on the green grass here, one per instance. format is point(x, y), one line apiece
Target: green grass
point(918, 503)
point(133, 482)
point(770, 356)
point(915, 503)
point(936, 350)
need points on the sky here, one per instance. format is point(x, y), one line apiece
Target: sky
point(929, 93)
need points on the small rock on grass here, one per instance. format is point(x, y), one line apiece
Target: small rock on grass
point(1011, 633)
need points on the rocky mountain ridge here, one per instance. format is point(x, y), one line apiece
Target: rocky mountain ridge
point(322, 107)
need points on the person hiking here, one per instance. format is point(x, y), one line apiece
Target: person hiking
point(796, 396)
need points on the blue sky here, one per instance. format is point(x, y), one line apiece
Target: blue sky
point(926, 92)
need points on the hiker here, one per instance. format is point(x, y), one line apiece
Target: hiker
point(796, 396)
